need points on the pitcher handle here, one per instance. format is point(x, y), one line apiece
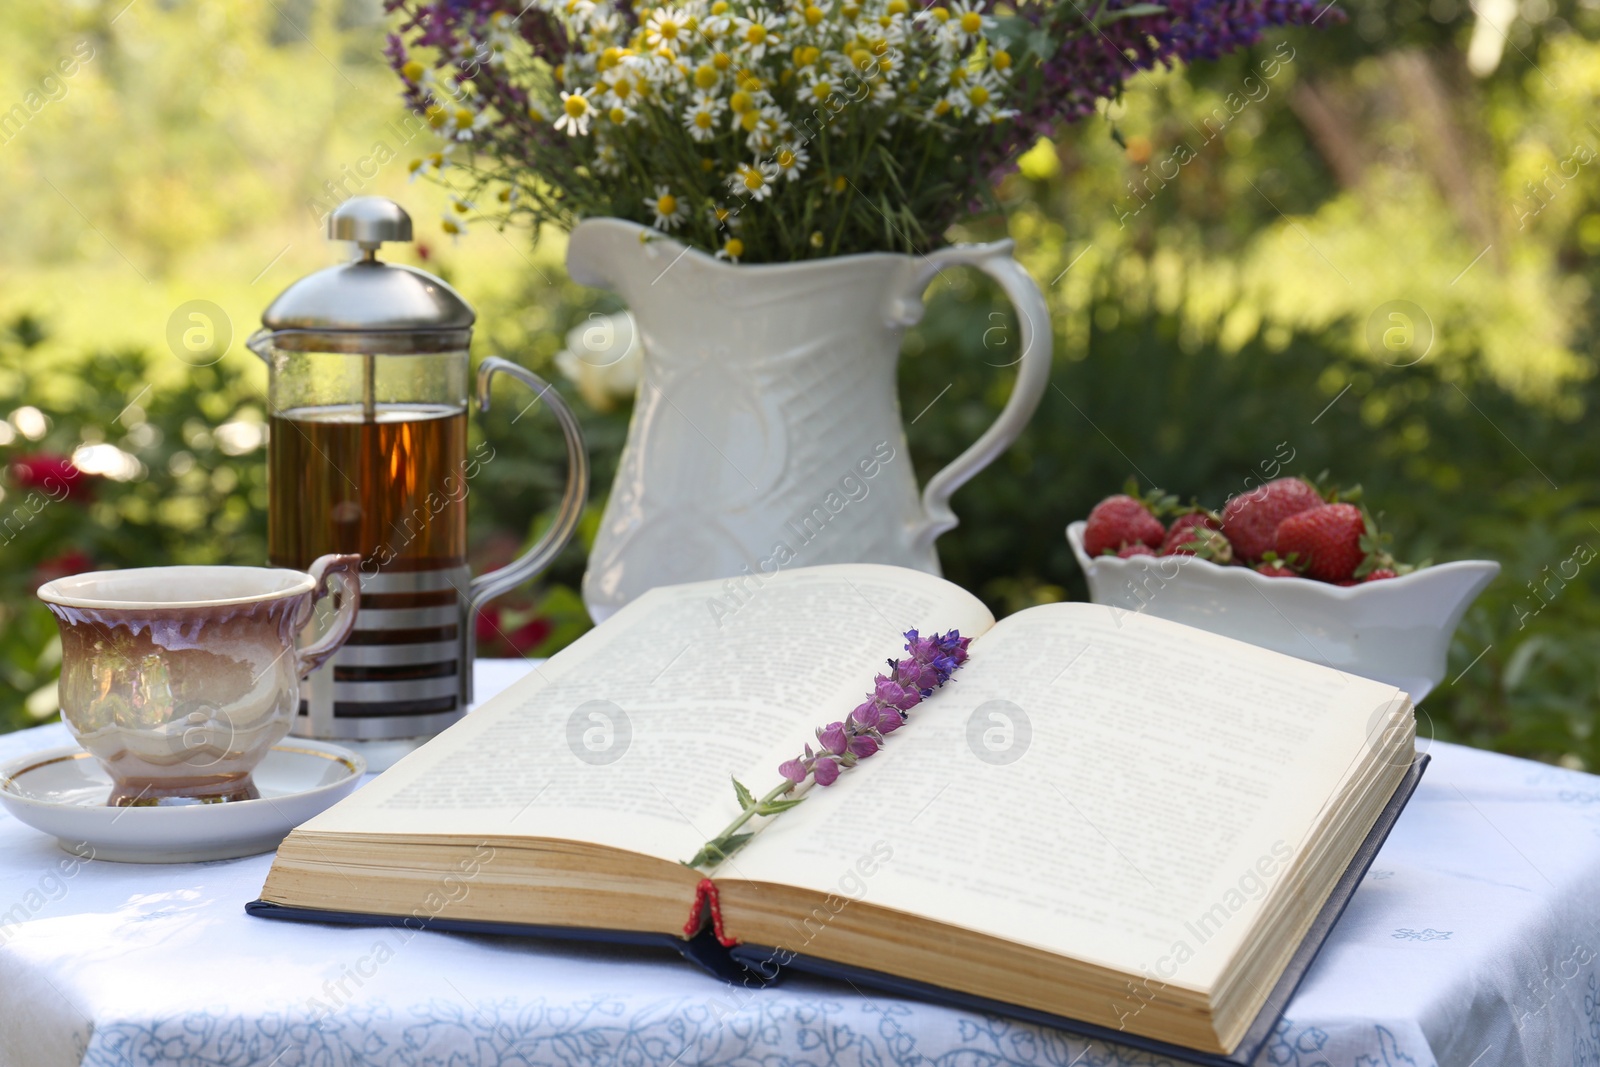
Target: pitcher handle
point(485, 587)
point(1033, 374)
point(342, 572)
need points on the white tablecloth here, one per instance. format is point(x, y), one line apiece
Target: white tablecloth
point(1473, 941)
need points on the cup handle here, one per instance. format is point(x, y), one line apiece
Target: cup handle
point(485, 587)
point(342, 572)
point(1033, 374)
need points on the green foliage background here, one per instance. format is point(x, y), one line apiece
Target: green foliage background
point(1212, 269)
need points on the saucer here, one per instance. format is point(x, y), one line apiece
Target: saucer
point(63, 792)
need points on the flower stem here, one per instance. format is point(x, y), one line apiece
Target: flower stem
point(724, 844)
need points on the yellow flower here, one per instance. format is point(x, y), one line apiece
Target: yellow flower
point(755, 33)
point(437, 116)
point(741, 102)
point(705, 76)
point(535, 114)
point(463, 117)
point(720, 7)
point(451, 227)
point(940, 14)
point(814, 14)
point(1001, 60)
point(734, 248)
point(412, 71)
point(722, 61)
point(861, 58)
point(978, 95)
point(942, 107)
point(971, 22)
point(898, 7)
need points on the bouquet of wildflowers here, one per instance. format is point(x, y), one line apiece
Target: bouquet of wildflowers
point(771, 130)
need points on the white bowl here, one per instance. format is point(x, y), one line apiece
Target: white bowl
point(1397, 630)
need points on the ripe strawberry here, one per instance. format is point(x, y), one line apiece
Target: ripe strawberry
point(1379, 574)
point(1251, 519)
point(1198, 540)
point(1120, 520)
point(1328, 538)
point(1276, 570)
point(1187, 521)
point(1138, 548)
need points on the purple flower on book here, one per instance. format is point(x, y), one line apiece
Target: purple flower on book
point(929, 663)
point(825, 771)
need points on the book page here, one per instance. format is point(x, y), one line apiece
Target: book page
point(628, 738)
point(1122, 792)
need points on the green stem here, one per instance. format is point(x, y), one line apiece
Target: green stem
point(719, 848)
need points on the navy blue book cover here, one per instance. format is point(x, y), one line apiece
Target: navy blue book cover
point(753, 965)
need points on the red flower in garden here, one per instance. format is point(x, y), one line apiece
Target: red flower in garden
point(51, 474)
point(493, 636)
point(530, 635)
point(486, 627)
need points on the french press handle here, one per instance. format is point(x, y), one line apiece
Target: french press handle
point(485, 587)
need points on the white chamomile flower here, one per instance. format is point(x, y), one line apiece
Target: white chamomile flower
point(756, 35)
point(579, 12)
point(622, 86)
point(461, 123)
point(605, 27)
point(429, 165)
point(981, 97)
point(618, 115)
point(607, 161)
point(753, 181)
point(968, 20)
point(667, 28)
point(454, 225)
point(725, 218)
point(791, 160)
point(576, 112)
point(670, 211)
point(821, 83)
point(701, 120)
point(764, 127)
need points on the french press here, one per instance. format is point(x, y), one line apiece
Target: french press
point(368, 393)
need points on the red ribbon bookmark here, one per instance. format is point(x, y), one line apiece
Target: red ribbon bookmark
point(705, 896)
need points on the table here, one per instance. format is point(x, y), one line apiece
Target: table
point(1472, 941)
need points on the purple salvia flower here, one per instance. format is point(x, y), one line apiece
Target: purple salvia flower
point(927, 666)
point(825, 771)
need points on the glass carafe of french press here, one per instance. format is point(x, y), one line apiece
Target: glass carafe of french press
point(368, 395)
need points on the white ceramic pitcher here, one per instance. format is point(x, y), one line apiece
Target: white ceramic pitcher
point(766, 431)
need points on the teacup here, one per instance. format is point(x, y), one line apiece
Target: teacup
point(180, 679)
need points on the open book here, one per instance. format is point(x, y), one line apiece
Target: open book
point(1104, 817)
